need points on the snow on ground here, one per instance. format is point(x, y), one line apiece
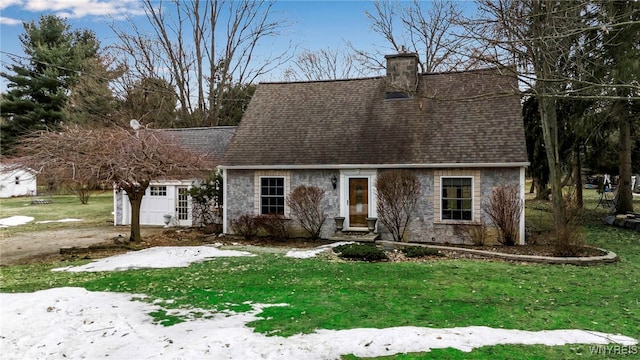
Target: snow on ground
point(15, 221)
point(21, 220)
point(61, 220)
point(75, 323)
point(309, 253)
point(156, 257)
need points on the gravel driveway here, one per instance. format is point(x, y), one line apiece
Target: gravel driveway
point(24, 245)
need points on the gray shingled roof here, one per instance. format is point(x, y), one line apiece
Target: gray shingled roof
point(209, 141)
point(464, 117)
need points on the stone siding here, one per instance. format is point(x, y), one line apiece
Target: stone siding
point(331, 201)
point(240, 194)
point(242, 189)
point(425, 225)
point(119, 207)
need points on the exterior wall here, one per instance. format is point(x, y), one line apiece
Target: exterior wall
point(426, 225)
point(242, 196)
point(119, 197)
point(26, 183)
point(331, 201)
point(153, 208)
point(239, 195)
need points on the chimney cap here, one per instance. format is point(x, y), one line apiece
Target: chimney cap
point(405, 54)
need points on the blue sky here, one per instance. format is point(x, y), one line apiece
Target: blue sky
point(315, 24)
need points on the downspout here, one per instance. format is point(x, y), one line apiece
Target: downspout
point(522, 218)
point(225, 203)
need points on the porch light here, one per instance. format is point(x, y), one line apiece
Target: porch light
point(334, 181)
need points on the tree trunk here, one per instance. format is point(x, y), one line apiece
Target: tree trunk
point(135, 199)
point(577, 174)
point(542, 192)
point(533, 186)
point(625, 196)
point(549, 121)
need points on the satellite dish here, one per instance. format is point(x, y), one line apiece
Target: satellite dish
point(135, 125)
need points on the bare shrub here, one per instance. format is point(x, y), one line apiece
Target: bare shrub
point(82, 192)
point(246, 226)
point(477, 234)
point(273, 225)
point(305, 203)
point(504, 208)
point(398, 193)
point(569, 239)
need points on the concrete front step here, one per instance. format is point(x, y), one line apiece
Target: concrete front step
point(354, 236)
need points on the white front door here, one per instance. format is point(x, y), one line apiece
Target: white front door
point(183, 206)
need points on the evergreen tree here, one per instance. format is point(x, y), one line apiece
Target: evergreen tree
point(39, 83)
point(621, 64)
point(91, 100)
point(151, 101)
point(234, 102)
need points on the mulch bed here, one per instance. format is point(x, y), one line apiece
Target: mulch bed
point(196, 237)
point(537, 250)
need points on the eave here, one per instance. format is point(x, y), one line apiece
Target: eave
point(376, 166)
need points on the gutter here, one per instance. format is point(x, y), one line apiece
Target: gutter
point(376, 166)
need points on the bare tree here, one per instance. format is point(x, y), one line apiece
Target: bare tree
point(430, 29)
point(128, 159)
point(398, 193)
point(203, 48)
point(546, 41)
point(324, 64)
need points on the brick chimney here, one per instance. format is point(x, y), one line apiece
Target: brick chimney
point(402, 75)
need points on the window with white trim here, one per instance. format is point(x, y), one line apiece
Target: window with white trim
point(457, 198)
point(272, 195)
point(158, 190)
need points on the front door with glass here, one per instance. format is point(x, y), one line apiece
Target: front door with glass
point(358, 202)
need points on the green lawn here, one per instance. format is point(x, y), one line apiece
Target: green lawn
point(441, 293)
point(96, 213)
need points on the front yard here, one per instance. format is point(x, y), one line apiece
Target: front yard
point(324, 293)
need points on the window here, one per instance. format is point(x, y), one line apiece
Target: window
point(272, 195)
point(155, 190)
point(457, 198)
point(17, 180)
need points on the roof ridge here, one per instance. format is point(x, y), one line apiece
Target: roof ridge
point(320, 81)
point(225, 127)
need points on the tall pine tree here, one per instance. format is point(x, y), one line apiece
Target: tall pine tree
point(620, 67)
point(39, 83)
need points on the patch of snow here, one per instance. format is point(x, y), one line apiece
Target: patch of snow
point(155, 258)
point(15, 221)
point(306, 254)
point(76, 323)
point(61, 220)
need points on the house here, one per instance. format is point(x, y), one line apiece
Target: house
point(170, 196)
point(462, 134)
point(16, 180)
